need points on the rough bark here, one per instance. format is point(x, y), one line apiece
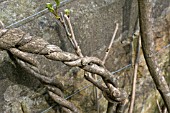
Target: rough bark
point(147, 37)
point(20, 45)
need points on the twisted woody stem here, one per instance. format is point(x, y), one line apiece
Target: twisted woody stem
point(53, 86)
point(21, 44)
point(78, 51)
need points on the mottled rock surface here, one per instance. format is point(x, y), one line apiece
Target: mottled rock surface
point(94, 23)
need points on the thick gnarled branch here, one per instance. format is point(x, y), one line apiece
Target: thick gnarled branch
point(18, 42)
point(148, 47)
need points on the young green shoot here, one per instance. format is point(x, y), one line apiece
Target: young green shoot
point(52, 10)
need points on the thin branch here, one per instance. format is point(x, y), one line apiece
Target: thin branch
point(96, 83)
point(1, 25)
point(78, 51)
point(54, 91)
point(164, 109)
point(24, 56)
point(39, 75)
point(159, 108)
point(64, 102)
point(121, 106)
point(110, 105)
point(65, 26)
point(135, 75)
point(77, 48)
point(106, 55)
point(110, 45)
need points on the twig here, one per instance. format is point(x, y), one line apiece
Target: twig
point(64, 102)
point(110, 45)
point(164, 109)
point(95, 93)
point(95, 83)
point(65, 26)
point(110, 105)
point(77, 48)
point(78, 51)
point(135, 75)
point(1, 25)
point(159, 108)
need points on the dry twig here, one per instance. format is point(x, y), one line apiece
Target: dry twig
point(77, 48)
point(159, 108)
point(135, 74)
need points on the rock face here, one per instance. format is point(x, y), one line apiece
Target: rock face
point(94, 23)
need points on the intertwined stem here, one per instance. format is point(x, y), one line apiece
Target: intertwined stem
point(21, 44)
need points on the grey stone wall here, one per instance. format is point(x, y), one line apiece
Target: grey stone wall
point(94, 23)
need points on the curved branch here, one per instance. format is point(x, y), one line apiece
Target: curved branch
point(147, 38)
point(63, 102)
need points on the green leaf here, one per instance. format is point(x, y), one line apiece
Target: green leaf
point(57, 2)
point(67, 12)
point(57, 17)
point(50, 7)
